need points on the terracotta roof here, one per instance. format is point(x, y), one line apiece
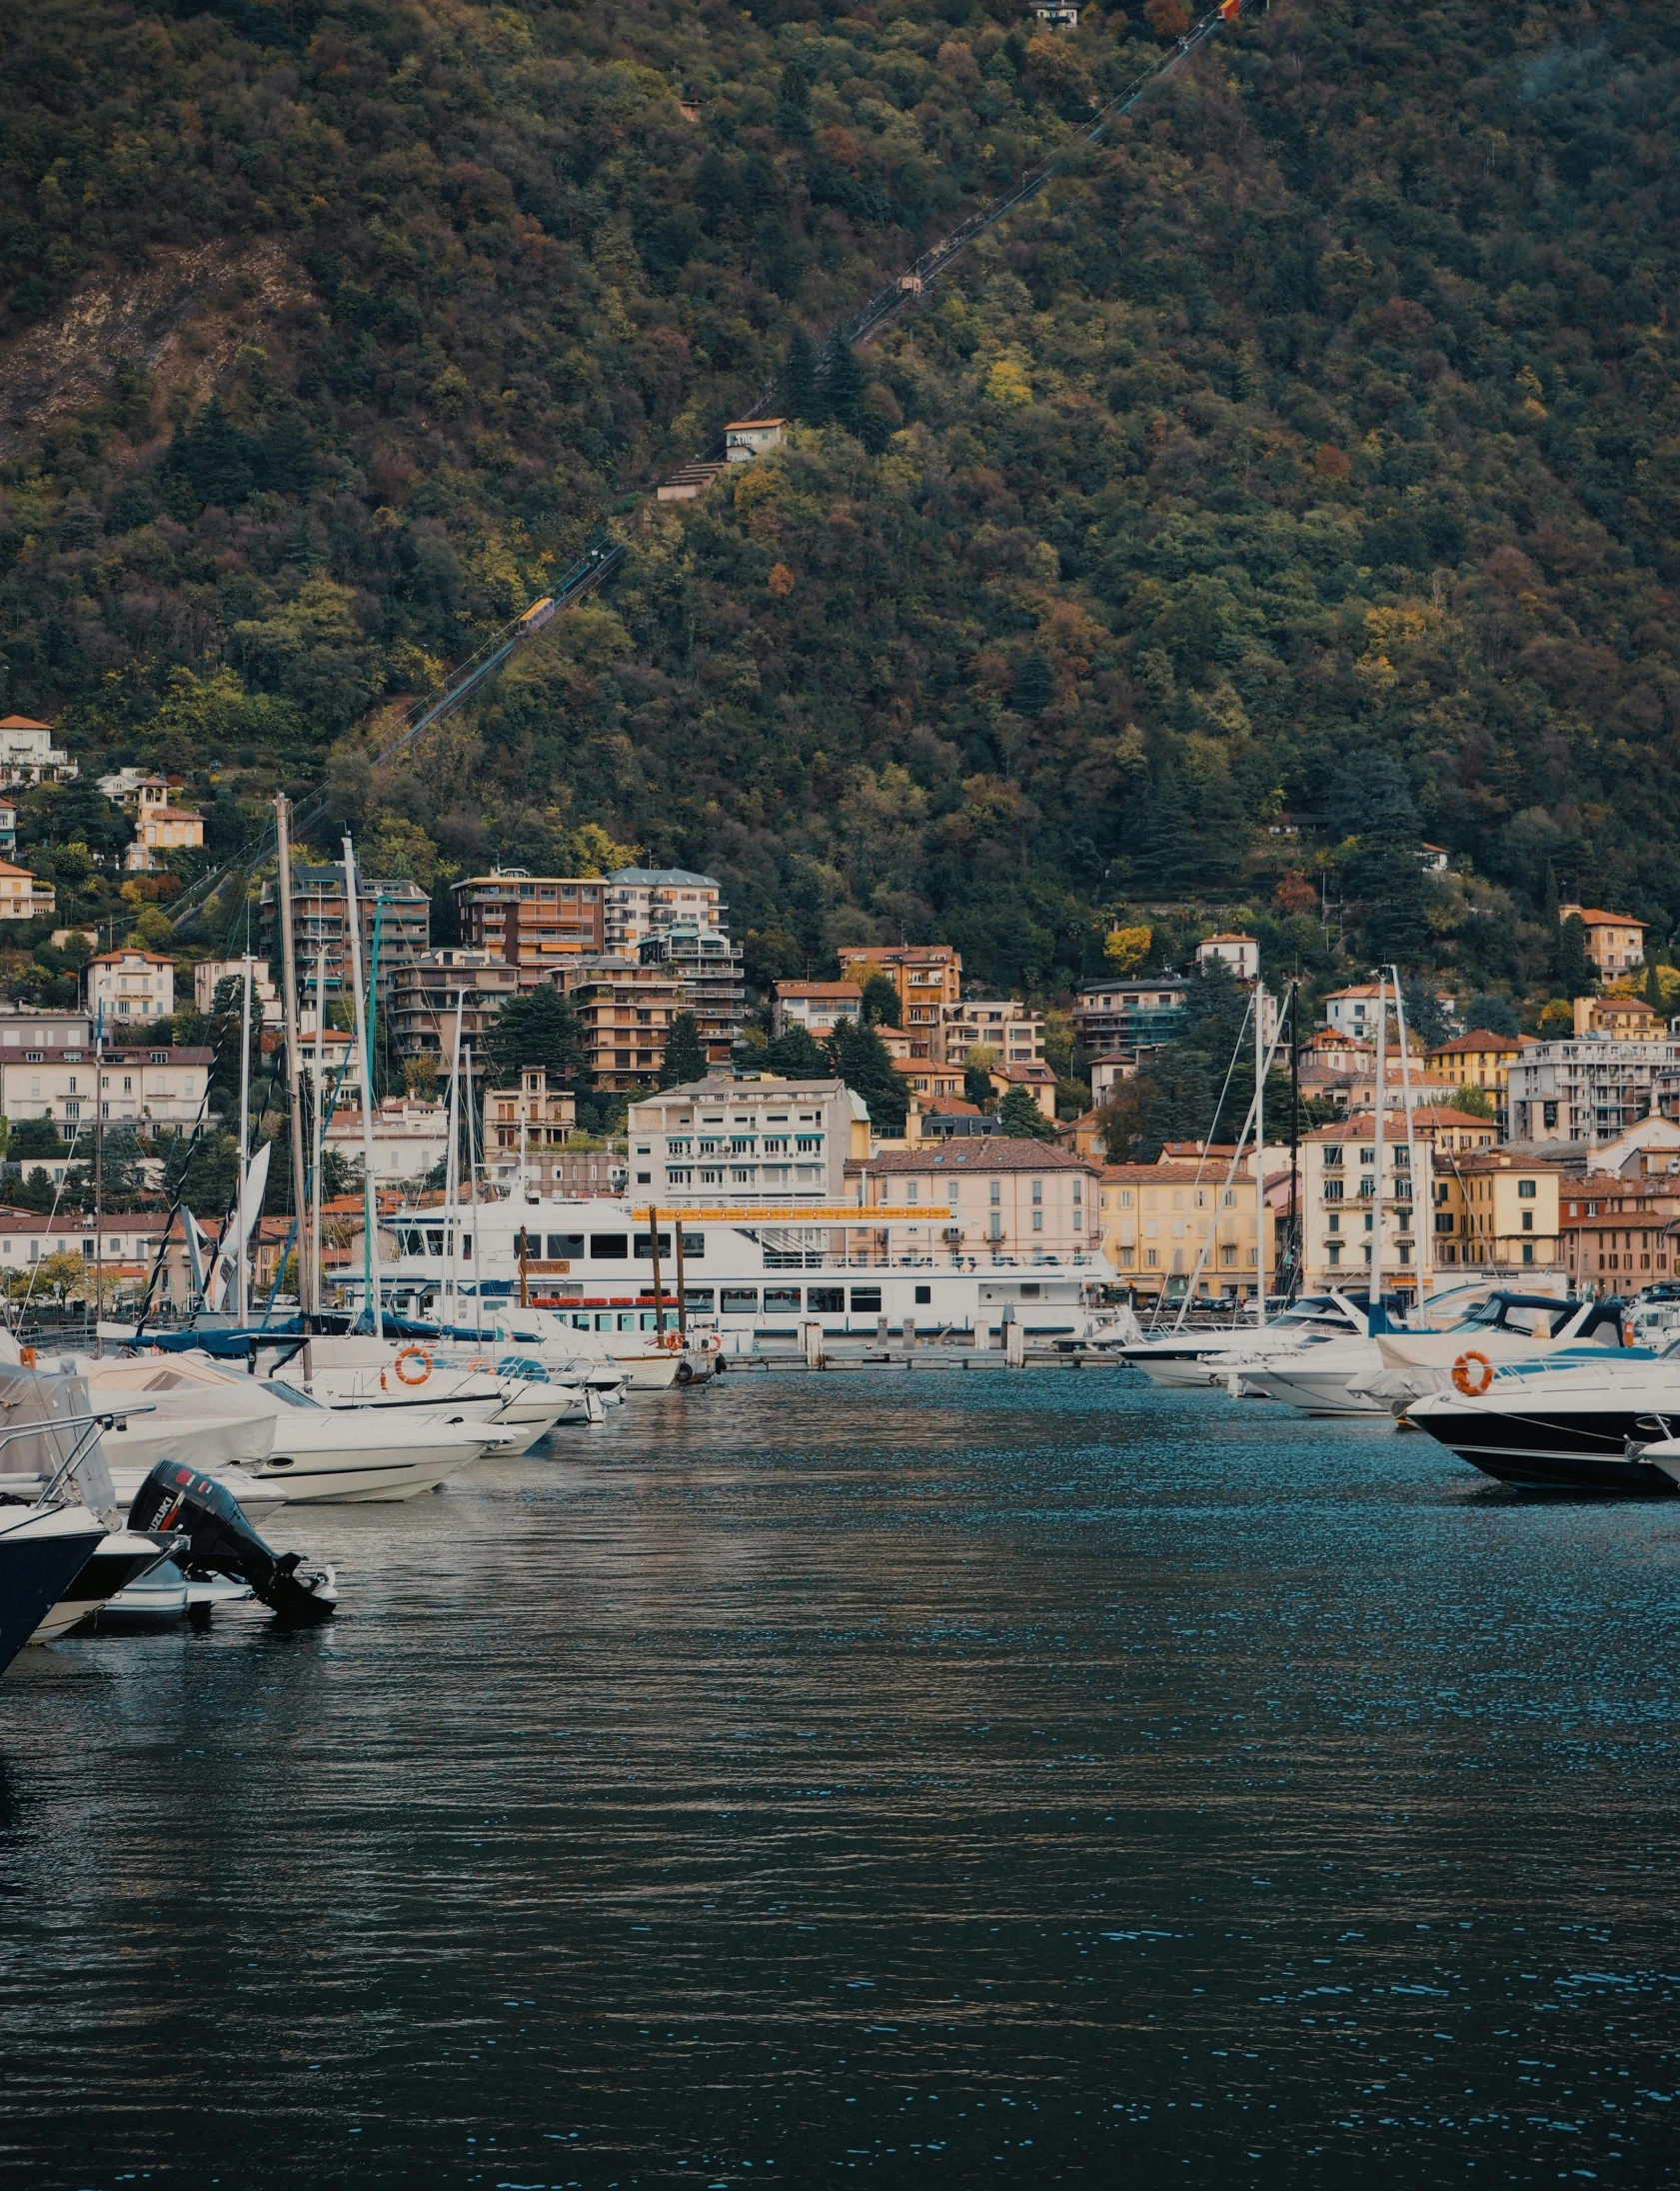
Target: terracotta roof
point(982, 1152)
point(1361, 1126)
point(130, 951)
point(1232, 937)
point(1590, 916)
point(1477, 1039)
point(1035, 1075)
point(952, 1107)
point(1625, 1220)
point(22, 723)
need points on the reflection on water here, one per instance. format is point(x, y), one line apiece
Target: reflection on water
point(991, 1778)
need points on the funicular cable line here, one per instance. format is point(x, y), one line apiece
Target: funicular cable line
point(604, 555)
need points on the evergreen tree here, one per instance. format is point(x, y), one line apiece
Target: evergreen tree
point(1493, 1012)
point(685, 1052)
point(1021, 1118)
point(862, 1061)
point(1576, 974)
point(1034, 685)
point(538, 1029)
point(1653, 988)
point(843, 391)
point(880, 1000)
point(795, 1054)
point(799, 380)
point(1160, 856)
point(976, 1085)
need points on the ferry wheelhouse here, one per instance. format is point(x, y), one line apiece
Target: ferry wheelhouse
point(757, 1275)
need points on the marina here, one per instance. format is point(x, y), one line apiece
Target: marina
point(1017, 1778)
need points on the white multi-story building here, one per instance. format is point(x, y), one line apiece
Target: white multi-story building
point(1004, 1024)
point(817, 1007)
point(1589, 1090)
point(410, 1135)
point(209, 974)
point(643, 901)
point(1240, 953)
point(1340, 1206)
point(1353, 1010)
point(130, 984)
point(992, 1198)
point(28, 754)
point(28, 1027)
point(138, 1087)
point(723, 1142)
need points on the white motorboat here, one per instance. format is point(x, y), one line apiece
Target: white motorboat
point(1202, 1358)
point(1584, 1418)
point(1506, 1328)
point(317, 1454)
point(122, 1560)
point(1343, 1375)
point(155, 1599)
point(356, 1371)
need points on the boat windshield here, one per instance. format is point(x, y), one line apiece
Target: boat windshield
point(1528, 1320)
point(290, 1394)
point(1317, 1310)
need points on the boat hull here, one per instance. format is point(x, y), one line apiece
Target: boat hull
point(40, 1556)
point(1549, 1448)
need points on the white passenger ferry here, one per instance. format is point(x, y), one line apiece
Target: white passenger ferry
point(754, 1275)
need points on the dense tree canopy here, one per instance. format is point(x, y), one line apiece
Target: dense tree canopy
point(1296, 479)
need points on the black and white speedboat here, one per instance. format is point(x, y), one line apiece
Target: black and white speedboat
point(1571, 1423)
point(122, 1562)
point(42, 1550)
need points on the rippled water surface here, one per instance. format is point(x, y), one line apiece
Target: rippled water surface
point(971, 1778)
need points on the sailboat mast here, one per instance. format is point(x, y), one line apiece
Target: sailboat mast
point(369, 1193)
point(452, 1159)
point(289, 1012)
point(317, 1121)
point(1424, 1232)
point(240, 1273)
point(472, 1199)
point(1259, 1151)
point(1373, 1285)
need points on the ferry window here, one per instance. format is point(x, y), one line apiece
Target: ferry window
point(825, 1300)
point(699, 1297)
point(644, 1246)
point(741, 1300)
point(465, 1247)
point(434, 1244)
point(608, 1246)
point(626, 1319)
point(923, 1295)
point(782, 1296)
point(865, 1300)
point(564, 1245)
point(694, 1244)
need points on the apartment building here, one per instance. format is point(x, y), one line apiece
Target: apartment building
point(1353, 1010)
point(432, 988)
point(130, 984)
point(1628, 1019)
point(209, 974)
point(1157, 1219)
point(141, 1088)
point(1619, 1234)
point(1126, 1016)
point(709, 968)
point(393, 913)
point(409, 1134)
point(991, 1199)
point(1615, 941)
point(627, 1009)
point(758, 1140)
point(928, 976)
point(1589, 1090)
point(1496, 1211)
point(126, 1248)
point(1479, 1059)
point(1240, 953)
point(817, 1007)
point(1340, 1208)
point(523, 1125)
point(1013, 1030)
point(642, 902)
point(28, 1027)
point(531, 919)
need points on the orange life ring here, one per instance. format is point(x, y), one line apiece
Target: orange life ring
point(673, 1339)
point(413, 1354)
point(1462, 1374)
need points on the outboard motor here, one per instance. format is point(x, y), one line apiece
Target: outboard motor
point(220, 1539)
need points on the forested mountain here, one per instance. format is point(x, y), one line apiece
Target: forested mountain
point(1293, 479)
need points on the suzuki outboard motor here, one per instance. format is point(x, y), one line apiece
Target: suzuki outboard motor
point(220, 1539)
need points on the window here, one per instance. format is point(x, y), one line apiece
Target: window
point(563, 1245)
point(782, 1296)
point(825, 1300)
point(1332, 1191)
point(741, 1300)
point(1125, 1198)
point(997, 1226)
point(609, 1247)
point(1334, 1253)
point(1526, 1190)
point(1037, 1220)
point(1528, 1220)
point(1037, 1191)
point(923, 1295)
point(996, 1192)
point(865, 1300)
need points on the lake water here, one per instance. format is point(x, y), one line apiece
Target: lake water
point(1006, 1779)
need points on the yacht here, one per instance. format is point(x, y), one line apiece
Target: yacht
point(281, 1436)
point(414, 1377)
point(1333, 1377)
point(749, 1281)
point(123, 1560)
point(1204, 1358)
point(1577, 1421)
